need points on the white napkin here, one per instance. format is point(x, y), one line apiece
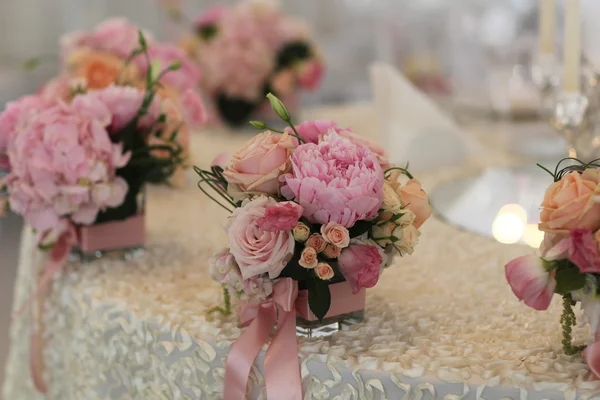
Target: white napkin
point(413, 128)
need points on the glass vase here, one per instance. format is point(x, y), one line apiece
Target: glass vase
point(346, 310)
point(122, 239)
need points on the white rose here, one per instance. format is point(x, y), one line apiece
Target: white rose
point(382, 233)
point(410, 238)
point(391, 201)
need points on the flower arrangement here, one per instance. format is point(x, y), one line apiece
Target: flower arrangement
point(248, 50)
point(569, 259)
point(107, 56)
point(85, 161)
point(315, 203)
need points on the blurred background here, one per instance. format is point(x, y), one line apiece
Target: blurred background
point(474, 56)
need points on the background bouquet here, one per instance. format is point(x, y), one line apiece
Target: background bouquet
point(107, 56)
point(569, 259)
point(248, 50)
point(315, 203)
point(85, 161)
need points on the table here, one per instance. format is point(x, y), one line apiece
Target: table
point(442, 324)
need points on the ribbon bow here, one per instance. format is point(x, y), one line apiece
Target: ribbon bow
point(282, 371)
point(58, 256)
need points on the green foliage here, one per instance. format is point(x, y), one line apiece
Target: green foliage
point(319, 297)
point(569, 279)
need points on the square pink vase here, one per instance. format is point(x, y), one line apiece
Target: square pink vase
point(123, 239)
point(346, 309)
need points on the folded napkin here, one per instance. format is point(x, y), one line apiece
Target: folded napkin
point(413, 128)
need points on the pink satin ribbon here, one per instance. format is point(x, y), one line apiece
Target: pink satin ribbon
point(56, 260)
point(591, 354)
point(282, 370)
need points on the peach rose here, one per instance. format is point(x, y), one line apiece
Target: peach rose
point(308, 258)
point(324, 271)
point(336, 234)
point(257, 166)
point(570, 203)
point(391, 200)
point(317, 242)
point(301, 232)
point(416, 200)
point(284, 82)
point(100, 70)
point(332, 251)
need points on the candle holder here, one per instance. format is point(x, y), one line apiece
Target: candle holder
point(546, 76)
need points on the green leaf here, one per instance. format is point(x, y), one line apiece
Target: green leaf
point(296, 271)
point(569, 279)
point(319, 297)
point(359, 228)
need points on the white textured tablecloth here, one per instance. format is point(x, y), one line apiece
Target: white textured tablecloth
point(441, 324)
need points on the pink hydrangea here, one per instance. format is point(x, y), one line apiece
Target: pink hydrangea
point(335, 181)
point(187, 76)
point(64, 164)
point(14, 119)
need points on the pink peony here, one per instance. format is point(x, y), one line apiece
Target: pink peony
point(258, 251)
point(193, 109)
point(335, 181)
point(64, 164)
point(280, 217)
point(313, 131)
point(123, 102)
point(310, 74)
point(530, 281)
point(210, 16)
point(360, 264)
point(257, 166)
point(375, 148)
point(115, 35)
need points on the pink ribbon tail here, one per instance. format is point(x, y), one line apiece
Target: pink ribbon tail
point(57, 258)
point(282, 371)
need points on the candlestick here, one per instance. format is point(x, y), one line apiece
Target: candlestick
point(547, 22)
point(572, 47)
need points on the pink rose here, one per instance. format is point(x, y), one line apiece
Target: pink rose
point(569, 203)
point(258, 251)
point(335, 234)
point(308, 258)
point(335, 181)
point(530, 281)
point(415, 199)
point(313, 131)
point(375, 148)
point(257, 166)
point(280, 217)
point(317, 242)
point(360, 264)
point(193, 109)
point(579, 247)
point(324, 271)
point(332, 251)
point(310, 74)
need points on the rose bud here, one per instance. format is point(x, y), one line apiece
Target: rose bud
point(317, 242)
point(324, 271)
point(301, 232)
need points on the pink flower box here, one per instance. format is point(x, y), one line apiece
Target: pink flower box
point(342, 302)
point(114, 235)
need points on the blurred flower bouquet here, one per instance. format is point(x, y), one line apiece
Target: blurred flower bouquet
point(248, 50)
point(109, 55)
point(569, 260)
point(78, 166)
point(315, 203)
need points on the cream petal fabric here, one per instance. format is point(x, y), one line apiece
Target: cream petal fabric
point(441, 324)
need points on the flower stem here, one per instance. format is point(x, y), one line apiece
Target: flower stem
point(568, 320)
point(224, 311)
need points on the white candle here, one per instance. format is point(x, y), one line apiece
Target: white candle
point(547, 26)
point(572, 47)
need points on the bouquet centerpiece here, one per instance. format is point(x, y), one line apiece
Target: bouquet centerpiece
point(248, 50)
point(568, 262)
point(317, 213)
point(80, 164)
